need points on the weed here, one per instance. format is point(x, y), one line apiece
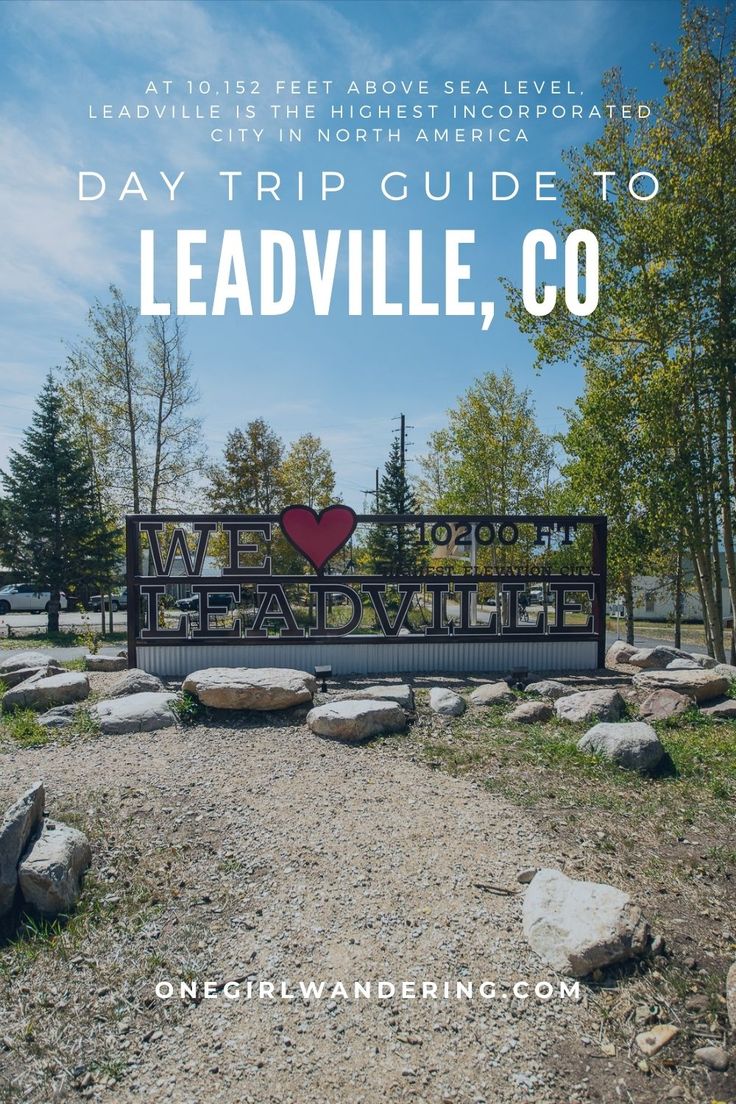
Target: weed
point(188, 708)
point(22, 726)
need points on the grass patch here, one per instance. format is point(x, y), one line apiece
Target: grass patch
point(71, 638)
point(188, 708)
point(23, 728)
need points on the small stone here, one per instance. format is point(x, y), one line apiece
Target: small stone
point(663, 704)
point(590, 705)
point(526, 876)
point(135, 681)
point(18, 826)
point(60, 717)
point(534, 712)
point(577, 927)
point(492, 693)
point(446, 702)
point(714, 1057)
point(547, 688)
point(650, 1042)
point(619, 652)
point(697, 1003)
point(645, 1014)
point(632, 745)
point(50, 873)
point(731, 996)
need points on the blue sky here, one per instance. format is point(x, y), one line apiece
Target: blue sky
point(343, 378)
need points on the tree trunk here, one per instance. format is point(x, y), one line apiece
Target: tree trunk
point(54, 607)
point(678, 597)
point(629, 609)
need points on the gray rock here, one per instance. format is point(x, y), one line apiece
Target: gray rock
point(492, 693)
point(60, 717)
point(731, 996)
point(631, 744)
point(725, 670)
point(705, 661)
point(577, 927)
point(35, 660)
point(18, 825)
point(656, 659)
point(701, 685)
point(663, 704)
point(354, 721)
point(11, 679)
point(619, 652)
point(446, 702)
point(251, 687)
point(533, 712)
point(590, 705)
point(101, 662)
point(136, 713)
point(683, 665)
point(43, 693)
point(135, 681)
point(714, 1057)
point(527, 875)
point(402, 694)
point(548, 688)
point(723, 710)
point(50, 873)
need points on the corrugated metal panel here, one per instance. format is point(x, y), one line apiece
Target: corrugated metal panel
point(372, 659)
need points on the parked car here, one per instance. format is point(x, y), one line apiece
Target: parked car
point(119, 601)
point(217, 601)
point(27, 598)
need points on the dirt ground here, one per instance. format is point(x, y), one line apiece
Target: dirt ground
point(245, 848)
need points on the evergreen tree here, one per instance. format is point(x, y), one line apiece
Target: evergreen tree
point(53, 532)
point(394, 550)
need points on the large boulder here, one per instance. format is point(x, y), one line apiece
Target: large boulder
point(10, 679)
point(446, 702)
point(547, 688)
point(135, 681)
point(631, 744)
point(402, 694)
point(19, 660)
point(20, 822)
point(492, 693)
point(102, 662)
point(251, 687)
point(136, 713)
point(725, 670)
point(354, 721)
point(577, 927)
point(657, 658)
point(590, 705)
point(531, 712)
point(660, 705)
point(43, 693)
point(698, 684)
point(619, 652)
point(50, 873)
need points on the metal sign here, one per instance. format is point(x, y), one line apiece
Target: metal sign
point(309, 577)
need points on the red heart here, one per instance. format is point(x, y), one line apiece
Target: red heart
point(318, 536)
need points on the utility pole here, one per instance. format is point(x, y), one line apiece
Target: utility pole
point(373, 491)
point(403, 427)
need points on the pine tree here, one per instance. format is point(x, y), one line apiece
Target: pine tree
point(394, 550)
point(53, 532)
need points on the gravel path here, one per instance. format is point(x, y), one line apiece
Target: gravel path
point(295, 858)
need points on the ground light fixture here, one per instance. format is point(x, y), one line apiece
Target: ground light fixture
point(323, 672)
